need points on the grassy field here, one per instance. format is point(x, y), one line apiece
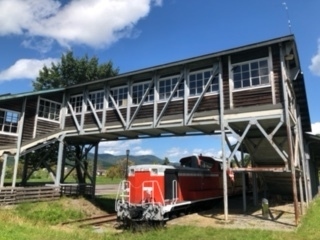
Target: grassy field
point(43, 221)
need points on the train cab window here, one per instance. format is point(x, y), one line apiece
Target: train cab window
point(189, 162)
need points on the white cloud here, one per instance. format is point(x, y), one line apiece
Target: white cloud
point(232, 139)
point(25, 69)
point(315, 128)
point(139, 151)
point(176, 152)
point(96, 23)
point(315, 62)
point(120, 147)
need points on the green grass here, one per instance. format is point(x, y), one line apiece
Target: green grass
point(47, 212)
point(41, 221)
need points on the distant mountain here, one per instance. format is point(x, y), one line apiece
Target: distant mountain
point(106, 160)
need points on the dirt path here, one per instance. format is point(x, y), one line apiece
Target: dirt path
point(281, 217)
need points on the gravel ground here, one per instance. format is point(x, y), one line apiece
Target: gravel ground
point(281, 217)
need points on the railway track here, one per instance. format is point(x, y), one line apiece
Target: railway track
point(93, 221)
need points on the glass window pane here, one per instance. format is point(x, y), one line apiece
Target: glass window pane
point(255, 81)
point(254, 73)
point(265, 80)
point(237, 84)
point(263, 71)
point(237, 77)
point(254, 65)
point(207, 74)
point(246, 83)
point(263, 64)
point(245, 75)
point(245, 67)
point(236, 69)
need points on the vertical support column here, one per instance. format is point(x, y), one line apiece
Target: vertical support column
point(306, 153)
point(289, 136)
point(301, 194)
point(25, 170)
point(60, 161)
point(185, 98)
point(305, 170)
point(244, 186)
point(255, 189)
point(19, 140)
point(3, 172)
point(94, 174)
point(223, 144)
point(129, 103)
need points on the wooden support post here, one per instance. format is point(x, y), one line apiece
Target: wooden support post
point(4, 168)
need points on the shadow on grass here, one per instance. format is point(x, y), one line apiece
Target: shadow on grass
point(104, 202)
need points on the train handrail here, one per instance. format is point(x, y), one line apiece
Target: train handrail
point(153, 183)
point(174, 191)
point(123, 192)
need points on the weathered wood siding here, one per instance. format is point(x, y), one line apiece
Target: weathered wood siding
point(45, 127)
point(145, 111)
point(89, 118)
point(69, 122)
point(6, 139)
point(173, 108)
point(252, 97)
point(207, 103)
point(261, 95)
point(277, 73)
point(29, 120)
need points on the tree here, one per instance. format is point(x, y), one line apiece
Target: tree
point(119, 169)
point(166, 161)
point(71, 70)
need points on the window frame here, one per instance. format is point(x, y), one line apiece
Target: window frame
point(117, 98)
point(56, 112)
point(250, 72)
point(214, 85)
point(166, 94)
point(4, 120)
point(149, 98)
point(95, 103)
point(77, 108)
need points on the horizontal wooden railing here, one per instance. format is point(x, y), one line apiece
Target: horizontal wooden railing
point(15, 195)
point(76, 189)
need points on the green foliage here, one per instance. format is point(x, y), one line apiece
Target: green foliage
point(119, 169)
point(166, 161)
point(71, 70)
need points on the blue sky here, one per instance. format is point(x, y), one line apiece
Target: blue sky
point(136, 34)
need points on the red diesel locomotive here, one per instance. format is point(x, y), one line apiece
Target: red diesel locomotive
point(153, 192)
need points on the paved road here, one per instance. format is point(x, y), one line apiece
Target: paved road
point(107, 189)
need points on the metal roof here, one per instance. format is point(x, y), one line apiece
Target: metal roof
point(193, 59)
point(8, 96)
